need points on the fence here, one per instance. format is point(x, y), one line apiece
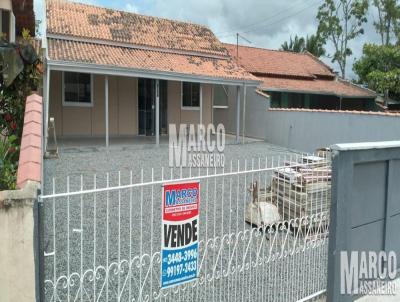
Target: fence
point(101, 234)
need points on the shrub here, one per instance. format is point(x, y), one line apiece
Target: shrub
point(9, 152)
point(19, 75)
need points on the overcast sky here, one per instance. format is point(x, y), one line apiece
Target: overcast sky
point(265, 23)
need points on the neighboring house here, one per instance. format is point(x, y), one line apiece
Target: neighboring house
point(300, 80)
point(24, 16)
point(114, 73)
point(7, 21)
point(15, 15)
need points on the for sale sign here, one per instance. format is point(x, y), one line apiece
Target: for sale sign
point(179, 246)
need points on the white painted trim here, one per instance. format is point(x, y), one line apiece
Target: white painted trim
point(157, 112)
point(12, 27)
point(244, 112)
point(366, 145)
point(44, 28)
point(135, 46)
point(77, 104)
point(106, 94)
point(212, 104)
point(142, 73)
point(238, 97)
point(189, 108)
point(46, 105)
point(201, 104)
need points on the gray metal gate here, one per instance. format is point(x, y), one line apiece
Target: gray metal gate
point(365, 213)
point(101, 238)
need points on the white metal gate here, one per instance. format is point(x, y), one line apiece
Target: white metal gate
point(101, 234)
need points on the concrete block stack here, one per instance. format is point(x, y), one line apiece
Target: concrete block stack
point(302, 188)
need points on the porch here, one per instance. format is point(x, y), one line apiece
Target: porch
point(109, 108)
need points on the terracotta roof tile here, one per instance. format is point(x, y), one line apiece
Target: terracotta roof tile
point(294, 72)
point(331, 87)
point(88, 34)
point(92, 22)
point(276, 62)
point(30, 158)
point(107, 55)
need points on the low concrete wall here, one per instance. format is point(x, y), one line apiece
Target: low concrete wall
point(17, 244)
point(19, 256)
point(307, 130)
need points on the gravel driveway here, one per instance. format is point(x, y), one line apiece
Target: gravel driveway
point(114, 235)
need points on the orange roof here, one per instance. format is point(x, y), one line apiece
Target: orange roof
point(92, 22)
point(317, 86)
point(86, 34)
point(294, 72)
point(276, 62)
point(145, 60)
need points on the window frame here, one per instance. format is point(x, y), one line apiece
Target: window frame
point(194, 108)
point(77, 104)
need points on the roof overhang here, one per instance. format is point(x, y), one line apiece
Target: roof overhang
point(143, 73)
point(318, 92)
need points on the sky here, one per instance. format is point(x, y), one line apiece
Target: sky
point(261, 23)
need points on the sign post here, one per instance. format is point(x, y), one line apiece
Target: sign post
point(179, 243)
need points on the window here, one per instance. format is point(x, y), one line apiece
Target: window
point(220, 96)
point(275, 99)
point(5, 24)
point(296, 100)
point(190, 95)
point(77, 89)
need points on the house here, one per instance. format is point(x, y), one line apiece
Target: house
point(112, 73)
point(15, 15)
point(24, 16)
point(7, 21)
point(300, 80)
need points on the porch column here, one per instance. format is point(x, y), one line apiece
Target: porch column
point(46, 90)
point(237, 113)
point(106, 108)
point(244, 112)
point(201, 104)
point(157, 112)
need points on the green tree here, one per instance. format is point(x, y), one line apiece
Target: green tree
point(313, 44)
point(387, 24)
point(19, 74)
point(295, 45)
point(379, 68)
point(340, 22)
